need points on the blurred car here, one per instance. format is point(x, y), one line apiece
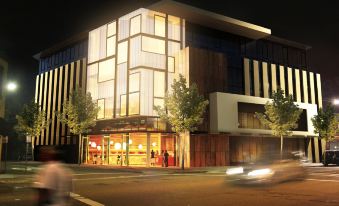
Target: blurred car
point(271, 170)
point(331, 157)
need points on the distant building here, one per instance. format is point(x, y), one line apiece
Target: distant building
point(128, 65)
point(3, 79)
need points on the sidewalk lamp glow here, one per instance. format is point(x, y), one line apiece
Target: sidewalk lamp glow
point(336, 101)
point(11, 86)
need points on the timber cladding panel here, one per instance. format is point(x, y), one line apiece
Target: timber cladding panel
point(207, 69)
point(245, 149)
point(209, 150)
point(53, 89)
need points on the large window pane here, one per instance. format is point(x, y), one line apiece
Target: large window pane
point(92, 80)
point(159, 25)
point(111, 46)
point(106, 89)
point(135, 25)
point(159, 84)
point(133, 107)
point(134, 82)
point(101, 105)
point(111, 29)
point(109, 102)
point(97, 44)
point(171, 64)
point(122, 52)
point(173, 27)
point(123, 105)
point(158, 102)
point(153, 45)
point(106, 70)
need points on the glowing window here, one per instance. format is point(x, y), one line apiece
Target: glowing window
point(159, 102)
point(122, 52)
point(111, 29)
point(123, 105)
point(101, 105)
point(134, 82)
point(109, 102)
point(106, 70)
point(111, 46)
point(97, 44)
point(153, 45)
point(159, 84)
point(135, 25)
point(171, 64)
point(173, 27)
point(133, 107)
point(159, 25)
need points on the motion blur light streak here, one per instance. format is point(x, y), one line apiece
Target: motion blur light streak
point(233, 171)
point(260, 172)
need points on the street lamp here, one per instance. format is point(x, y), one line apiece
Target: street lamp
point(11, 86)
point(335, 101)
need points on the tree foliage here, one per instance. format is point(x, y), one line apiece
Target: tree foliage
point(185, 106)
point(325, 123)
point(79, 112)
point(31, 120)
point(281, 115)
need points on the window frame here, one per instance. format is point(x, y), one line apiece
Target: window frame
point(130, 25)
point(154, 18)
point(101, 99)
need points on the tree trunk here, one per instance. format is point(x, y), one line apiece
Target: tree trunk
point(182, 137)
point(184, 149)
point(281, 146)
point(80, 149)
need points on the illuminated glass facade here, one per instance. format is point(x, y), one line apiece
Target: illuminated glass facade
point(131, 62)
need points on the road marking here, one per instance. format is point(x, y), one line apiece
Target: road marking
point(320, 180)
point(119, 177)
point(100, 173)
point(85, 200)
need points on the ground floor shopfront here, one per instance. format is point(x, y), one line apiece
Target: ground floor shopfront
point(203, 150)
point(130, 149)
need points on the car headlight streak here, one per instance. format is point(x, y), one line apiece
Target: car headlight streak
point(234, 171)
point(260, 172)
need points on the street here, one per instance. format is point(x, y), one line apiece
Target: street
point(120, 186)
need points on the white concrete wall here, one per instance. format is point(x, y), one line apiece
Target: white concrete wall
point(224, 114)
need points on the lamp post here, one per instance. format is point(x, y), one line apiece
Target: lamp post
point(10, 87)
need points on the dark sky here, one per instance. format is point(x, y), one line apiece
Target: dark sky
point(27, 27)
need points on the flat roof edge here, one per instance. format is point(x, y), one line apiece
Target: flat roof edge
point(211, 19)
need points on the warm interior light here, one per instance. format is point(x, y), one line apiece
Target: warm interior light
point(99, 147)
point(93, 144)
point(140, 146)
point(154, 144)
point(117, 145)
point(124, 145)
point(130, 141)
point(336, 101)
point(111, 142)
point(89, 142)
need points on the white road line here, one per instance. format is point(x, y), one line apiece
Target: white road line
point(85, 200)
point(320, 180)
point(118, 177)
point(99, 173)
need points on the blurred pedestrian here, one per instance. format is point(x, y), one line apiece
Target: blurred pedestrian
point(166, 158)
point(53, 181)
point(152, 158)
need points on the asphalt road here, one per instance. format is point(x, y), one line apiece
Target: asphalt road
point(156, 187)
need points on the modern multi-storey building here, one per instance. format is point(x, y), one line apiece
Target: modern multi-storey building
point(129, 64)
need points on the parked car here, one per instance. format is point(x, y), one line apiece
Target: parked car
point(270, 170)
point(331, 157)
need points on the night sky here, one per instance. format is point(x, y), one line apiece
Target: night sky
point(28, 27)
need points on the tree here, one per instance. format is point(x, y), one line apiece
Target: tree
point(32, 120)
point(325, 123)
point(281, 115)
point(183, 110)
point(79, 113)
